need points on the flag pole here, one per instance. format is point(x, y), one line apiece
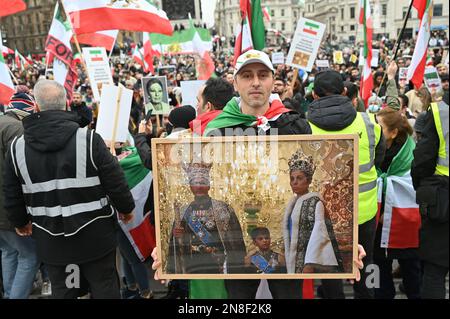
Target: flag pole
point(294, 78)
point(397, 44)
point(116, 121)
point(77, 44)
point(12, 75)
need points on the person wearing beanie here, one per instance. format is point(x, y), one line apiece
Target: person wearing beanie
point(21, 104)
point(18, 253)
point(179, 119)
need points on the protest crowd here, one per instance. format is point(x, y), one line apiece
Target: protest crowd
point(47, 139)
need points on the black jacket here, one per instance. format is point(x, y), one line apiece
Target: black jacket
point(83, 112)
point(335, 113)
point(434, 236)
point(10, 127)
point(50, 151)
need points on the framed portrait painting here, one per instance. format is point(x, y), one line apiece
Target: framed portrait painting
point(156, 96)
point(256, 207)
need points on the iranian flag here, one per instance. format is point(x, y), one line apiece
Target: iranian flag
point(311, 28)
point(6, 51)
point(417, 68)
point(251, 32)
point(138, 56)
point(182, 42)
point(6, 84)
point(20, 60)
point(17, 60)
point(149, 52)
point(105, 39)
point(401, 218)
point(205, 66)
point(139, 231)
point(365, 19)
point(60, 52)
point(97, 15)
point(266, 12)
point(9, 7)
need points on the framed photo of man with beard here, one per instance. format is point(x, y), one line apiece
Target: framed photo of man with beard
point(257, 207)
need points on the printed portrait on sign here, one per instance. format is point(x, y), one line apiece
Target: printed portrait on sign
point(261, 208)
point(156, 98)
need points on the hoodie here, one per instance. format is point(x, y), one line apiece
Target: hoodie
point(335, 113)
point(332, 113)
point(50, 131)
point(50, 149)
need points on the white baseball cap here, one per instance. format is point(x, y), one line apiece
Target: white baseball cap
point(250, 57)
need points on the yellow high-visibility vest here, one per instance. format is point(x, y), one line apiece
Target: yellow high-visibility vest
point(369, 137)
point(440, 115)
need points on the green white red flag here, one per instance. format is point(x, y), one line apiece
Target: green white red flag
point(60, 52)
point(9, 7)
point(6, 84)
point(416, 70)
point(6, 51)
point(365, 18)
point(97, 15)
point(105, 39)
point(251, 32)
point(138, 56)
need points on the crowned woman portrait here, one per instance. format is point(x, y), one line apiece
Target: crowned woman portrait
point(310, 243)
point(206, 237)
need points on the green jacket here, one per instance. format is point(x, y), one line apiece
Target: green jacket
point(392, 95)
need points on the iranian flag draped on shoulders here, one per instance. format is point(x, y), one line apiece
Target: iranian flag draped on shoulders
point(60, 52)
point(416, 70)
point(140, 231)
point(96, 15)
point(401, 216)
point(365, 18)
point(251, 32)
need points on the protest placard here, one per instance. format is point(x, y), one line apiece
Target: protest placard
point(323, 64)
point(115, 106)
point(277, 58)
point(432, 79)
point(98, 69)
point(375, 57)
point(403, 74)
point(305, 44)
point(189, 91)
point(338, 57)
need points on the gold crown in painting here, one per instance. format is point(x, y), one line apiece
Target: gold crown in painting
point(302, 162)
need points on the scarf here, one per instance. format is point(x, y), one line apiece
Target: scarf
point(232, 116)
point(401, 163)
point(204, 120)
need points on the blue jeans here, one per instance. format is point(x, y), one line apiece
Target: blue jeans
point(135, 271)
point(19, 264)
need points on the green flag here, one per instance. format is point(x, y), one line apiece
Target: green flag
point(258, 31)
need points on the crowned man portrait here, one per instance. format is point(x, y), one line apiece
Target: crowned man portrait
point(206, 237)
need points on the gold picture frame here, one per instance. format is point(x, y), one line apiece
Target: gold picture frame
point(254, 178)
